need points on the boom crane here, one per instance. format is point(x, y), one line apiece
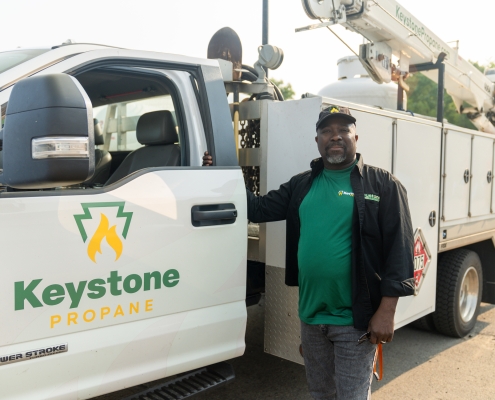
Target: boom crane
point(392, 30)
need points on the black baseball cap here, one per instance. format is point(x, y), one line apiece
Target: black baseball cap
point(335, 111)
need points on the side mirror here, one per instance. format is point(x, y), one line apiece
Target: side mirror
point(48, 136)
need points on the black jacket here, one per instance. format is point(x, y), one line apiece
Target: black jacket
point(382, 235)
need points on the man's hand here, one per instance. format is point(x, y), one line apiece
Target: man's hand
point(207, 160)
point(381, 324)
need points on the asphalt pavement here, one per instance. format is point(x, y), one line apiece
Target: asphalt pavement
point(417, 365)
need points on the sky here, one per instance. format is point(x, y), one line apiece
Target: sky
point(186, 26)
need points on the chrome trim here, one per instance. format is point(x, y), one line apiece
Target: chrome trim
point(81, 191)
point(35, 71)
point(443, 177)
point(91, 127)
point(469, 294)
point(466, 240)
point(250, 157)
point(34, 353)
point(394, 146)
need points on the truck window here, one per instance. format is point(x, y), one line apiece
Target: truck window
point(118, 121)
point(121, 97)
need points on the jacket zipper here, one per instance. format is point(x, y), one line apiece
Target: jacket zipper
point(362, 261)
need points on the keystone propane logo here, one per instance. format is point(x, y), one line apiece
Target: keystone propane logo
point(104, 230)
point(114, 285)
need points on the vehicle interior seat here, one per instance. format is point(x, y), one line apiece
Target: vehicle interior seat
point(103, 159)
point(157, 133)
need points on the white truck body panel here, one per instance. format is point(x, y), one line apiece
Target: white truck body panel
point(128, 354)
point(417, 165)
point(199, 321)
point(467, 207)
point(456, 162)
point(481, 188)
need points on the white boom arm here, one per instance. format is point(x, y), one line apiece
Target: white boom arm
point(392, 30)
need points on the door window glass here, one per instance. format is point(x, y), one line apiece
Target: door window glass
point(118, 121)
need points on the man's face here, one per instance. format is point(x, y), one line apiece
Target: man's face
point(336, 139)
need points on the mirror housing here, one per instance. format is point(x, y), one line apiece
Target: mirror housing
point(48, 136)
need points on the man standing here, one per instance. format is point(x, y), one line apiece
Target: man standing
point(349, 248)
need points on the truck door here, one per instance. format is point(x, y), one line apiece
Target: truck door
point(142, 276)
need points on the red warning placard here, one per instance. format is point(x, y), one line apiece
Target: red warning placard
point(422, 258)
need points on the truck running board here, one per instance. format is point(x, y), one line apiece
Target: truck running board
point(189, 384)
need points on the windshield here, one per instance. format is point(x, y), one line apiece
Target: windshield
point(10, 59)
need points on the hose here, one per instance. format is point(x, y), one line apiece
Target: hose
point(278, 92)
point(251, 75)
point(248, 76)
point(250, 69)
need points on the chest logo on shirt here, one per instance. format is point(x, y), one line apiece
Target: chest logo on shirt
point(372, 197)
point(343, 193)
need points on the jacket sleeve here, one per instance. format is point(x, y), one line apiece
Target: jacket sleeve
point(271, 207)
point(397, 240)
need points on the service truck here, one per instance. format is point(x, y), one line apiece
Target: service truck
point(126, 261)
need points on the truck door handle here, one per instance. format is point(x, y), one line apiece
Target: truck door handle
point(213, 214)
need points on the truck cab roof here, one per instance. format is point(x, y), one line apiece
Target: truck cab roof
point(23, 62)
point(43, 58)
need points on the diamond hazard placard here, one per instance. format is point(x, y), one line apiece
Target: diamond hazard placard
point(422, 258)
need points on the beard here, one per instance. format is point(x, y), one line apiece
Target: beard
point(337, 158)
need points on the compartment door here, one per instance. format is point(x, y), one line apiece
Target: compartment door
point(375, 141)
point(418, 168)
point(457, 170)
point(481, 181)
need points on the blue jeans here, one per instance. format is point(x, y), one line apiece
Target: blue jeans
point(337, 368)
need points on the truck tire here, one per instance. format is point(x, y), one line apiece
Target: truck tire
point(424, 323)
point(459, 287)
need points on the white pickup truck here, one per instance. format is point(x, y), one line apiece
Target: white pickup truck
point(140, 272)
point(125, 261)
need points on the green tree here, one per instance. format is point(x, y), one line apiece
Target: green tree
point(491, 64)
point(286, 89)
point(422, 98)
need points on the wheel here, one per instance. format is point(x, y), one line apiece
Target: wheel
point(424, 323)
point(459, 286)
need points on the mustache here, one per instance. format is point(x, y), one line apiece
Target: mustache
point(334, 145)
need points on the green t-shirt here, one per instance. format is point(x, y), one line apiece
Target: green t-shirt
point(324, 256)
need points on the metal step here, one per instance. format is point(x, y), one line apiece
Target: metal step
point(189, 384)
